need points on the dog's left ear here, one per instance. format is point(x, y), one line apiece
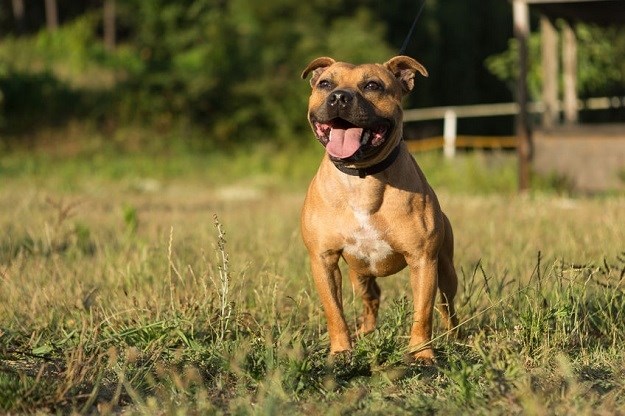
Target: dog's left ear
point(317, 67)
point(405, 68)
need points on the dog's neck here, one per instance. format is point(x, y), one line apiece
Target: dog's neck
point(369, 170)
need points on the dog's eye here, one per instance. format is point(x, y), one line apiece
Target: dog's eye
point(324, 84)
point(373, 86)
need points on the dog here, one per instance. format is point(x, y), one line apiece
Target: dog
point(369, 202)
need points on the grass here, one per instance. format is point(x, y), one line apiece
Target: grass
point(155, 284)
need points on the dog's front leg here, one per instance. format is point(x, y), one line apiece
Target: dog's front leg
point(327, 276)
point(423, 279)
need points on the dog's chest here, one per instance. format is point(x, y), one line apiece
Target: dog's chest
point(365, 241)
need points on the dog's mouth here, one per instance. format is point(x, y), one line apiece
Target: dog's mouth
point(343, 139)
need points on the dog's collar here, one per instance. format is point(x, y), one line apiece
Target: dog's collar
point(369, 170)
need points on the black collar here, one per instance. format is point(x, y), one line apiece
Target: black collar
point(369, 170)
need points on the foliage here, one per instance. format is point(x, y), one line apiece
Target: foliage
point(601, 60)
point(231, 68)
point(599, 49)
point(52, 77)
point(505, 65)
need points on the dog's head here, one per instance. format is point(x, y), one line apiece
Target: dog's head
point(355, 110)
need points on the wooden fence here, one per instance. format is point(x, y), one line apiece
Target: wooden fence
point(451, 140)
point(463, 142)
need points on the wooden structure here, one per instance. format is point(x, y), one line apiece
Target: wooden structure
point(555, 141)
point(468, 142)
point(603, 12)
point(583, 158)
point(521, 22)
point(450, 140)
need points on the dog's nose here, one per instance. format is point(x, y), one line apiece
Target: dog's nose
point(340, 97)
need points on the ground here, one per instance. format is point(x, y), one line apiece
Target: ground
point(191, 292)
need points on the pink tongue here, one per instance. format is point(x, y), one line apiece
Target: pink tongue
point(344, 142)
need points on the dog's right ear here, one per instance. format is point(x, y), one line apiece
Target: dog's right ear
point(317, 66)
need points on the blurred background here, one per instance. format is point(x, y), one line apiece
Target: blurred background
point(207, 75)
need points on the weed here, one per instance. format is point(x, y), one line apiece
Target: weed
point(225, 308)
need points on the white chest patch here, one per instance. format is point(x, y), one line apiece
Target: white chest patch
point(366, 242)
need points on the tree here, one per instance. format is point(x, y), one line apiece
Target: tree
point(600, 55)
point(233, 66)
point(109, 24)
point(52, 18)
point(18, 14)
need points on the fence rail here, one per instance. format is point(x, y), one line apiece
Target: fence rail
point(505, 109)
point(450, 139)
point(471, 142)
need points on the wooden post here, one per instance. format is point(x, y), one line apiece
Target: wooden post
point(549, 52)
point(18, 15)
point(449, 133)
point(52, 16)
point(520, 15)
point(569, 69)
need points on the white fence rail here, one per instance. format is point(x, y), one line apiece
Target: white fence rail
point(450, 114)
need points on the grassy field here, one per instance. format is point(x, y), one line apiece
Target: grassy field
point(179, 285)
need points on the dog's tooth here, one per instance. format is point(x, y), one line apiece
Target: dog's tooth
point(365, 137)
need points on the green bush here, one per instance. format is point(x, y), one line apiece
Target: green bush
point(231, 68)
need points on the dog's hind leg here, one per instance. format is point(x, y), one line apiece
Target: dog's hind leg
point(447, 279)
point(368, 289)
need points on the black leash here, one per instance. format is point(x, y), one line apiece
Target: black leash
point(402, 51)
point(379, 167)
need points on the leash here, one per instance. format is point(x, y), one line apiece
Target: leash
point(379, 167)
point(370, 170)
point(402, 51)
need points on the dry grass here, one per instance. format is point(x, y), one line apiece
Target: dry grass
point(129, 295)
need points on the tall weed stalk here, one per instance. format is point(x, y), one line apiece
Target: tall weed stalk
point(225, 307)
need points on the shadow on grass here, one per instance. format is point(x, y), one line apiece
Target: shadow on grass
point(31, 101)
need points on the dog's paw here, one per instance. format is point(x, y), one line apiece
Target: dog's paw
point(424, 357)
point(364, 330)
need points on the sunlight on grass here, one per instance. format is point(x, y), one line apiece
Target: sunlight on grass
point(120, 294)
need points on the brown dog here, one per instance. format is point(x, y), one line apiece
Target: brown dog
point(370, 203)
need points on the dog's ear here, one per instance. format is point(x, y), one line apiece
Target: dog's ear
point(405, 68)
point(317, 67)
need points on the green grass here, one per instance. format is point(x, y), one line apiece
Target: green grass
point(177, 283)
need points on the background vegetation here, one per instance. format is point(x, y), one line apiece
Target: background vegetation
point(217, 73)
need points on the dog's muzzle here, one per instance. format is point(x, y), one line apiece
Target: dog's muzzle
point(343, 140)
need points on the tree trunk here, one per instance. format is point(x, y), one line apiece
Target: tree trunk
point(109, 24)
point(18, 15)
point(52, 17)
